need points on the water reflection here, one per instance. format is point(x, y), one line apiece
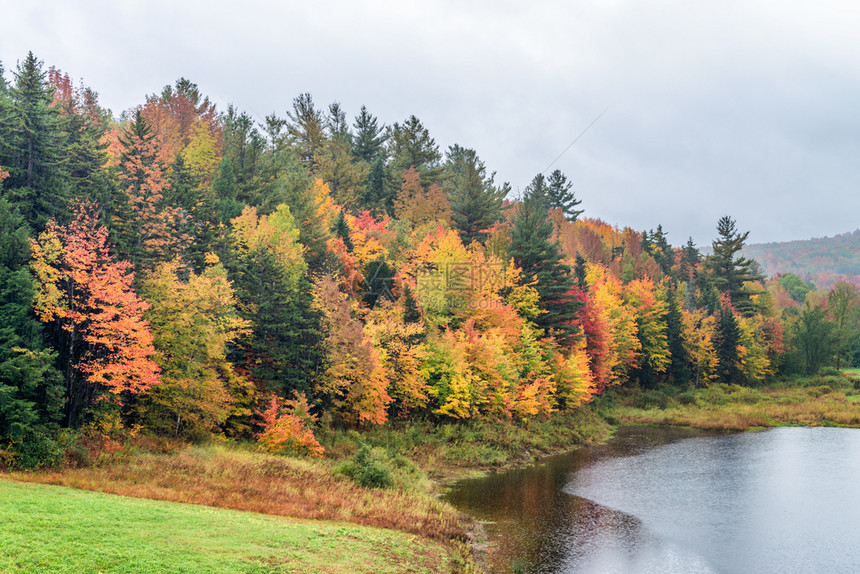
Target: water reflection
point(786, 500)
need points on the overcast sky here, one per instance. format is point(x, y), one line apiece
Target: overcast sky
point(746, 108)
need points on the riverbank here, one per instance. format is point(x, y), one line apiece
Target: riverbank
point(815, 401)
point(409, 462)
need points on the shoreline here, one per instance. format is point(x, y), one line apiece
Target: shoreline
point(446, 454)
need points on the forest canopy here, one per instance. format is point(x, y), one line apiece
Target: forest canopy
point(187, 271)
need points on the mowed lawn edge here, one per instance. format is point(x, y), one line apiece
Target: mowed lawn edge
point(56, 529)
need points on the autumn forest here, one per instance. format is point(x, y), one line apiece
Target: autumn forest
point(187, 271)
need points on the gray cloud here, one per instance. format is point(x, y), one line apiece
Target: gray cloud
point(741, 108)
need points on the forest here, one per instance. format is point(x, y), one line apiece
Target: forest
point(185, 271)
point(824, 261)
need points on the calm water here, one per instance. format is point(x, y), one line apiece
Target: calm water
point(667, 500)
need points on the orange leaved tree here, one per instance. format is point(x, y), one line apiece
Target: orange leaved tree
point(104, 342)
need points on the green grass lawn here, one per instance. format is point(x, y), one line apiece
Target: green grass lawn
point(47, 528)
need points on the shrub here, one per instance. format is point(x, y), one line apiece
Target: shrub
point(830, 372)
point(370, 468)
point(36, 449)
point(687, 398)
point(652, 399)
point(816, 392)
point(286, 433)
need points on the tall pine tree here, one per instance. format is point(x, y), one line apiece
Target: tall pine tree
point(729, 270)
point(560, 195)
point(368, 143)
point(32, 146)
point(539, 257)
point(476, 202)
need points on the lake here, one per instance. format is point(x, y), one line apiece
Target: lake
point(668, 500)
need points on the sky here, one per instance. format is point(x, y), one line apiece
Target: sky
point(746, 108)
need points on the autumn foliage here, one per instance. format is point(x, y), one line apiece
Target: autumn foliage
point(88, 296)
point(243, 278)
point(285, 432)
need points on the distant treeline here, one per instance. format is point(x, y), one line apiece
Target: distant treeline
point(824, 261)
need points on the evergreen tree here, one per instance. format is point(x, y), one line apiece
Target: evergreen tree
point(146, 229)
point(270, 277)
point(657, 246)
point(32, 146)
point(182, 191)
point(244, 147)
point(579, 272)
point(369, 140)
point(537, 187)
point(679, 370)
point(411, 146)
point(540, 259)
point(411, 314)
point(31, 388)
point(690, 259)
point(727, 339)
point(379, 193)
point(730, 270)
point(285, 180)
point(199, 203)
point(306, 128)
point(476, 202)
point(225, 188)
point(336, 125)
point(558, 190)
point(283, 350)
point(84, 125)
point(341, 229)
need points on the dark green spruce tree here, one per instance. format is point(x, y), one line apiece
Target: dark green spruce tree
point(729, 270)
point(690, 259)
point(560, 195)
point(31, 388)
point(225, 188)
point(341, 229)
point(476, 201)
point(283, 351)
point(727, 339)
point(534, 251)
point(244, 147)
point(679, 369)
point(32, 146)
point(285, 180)
point(368, 143)
point(410, 145)
point(379, 190)
point(84, 124)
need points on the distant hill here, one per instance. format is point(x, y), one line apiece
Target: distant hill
point(823, 260)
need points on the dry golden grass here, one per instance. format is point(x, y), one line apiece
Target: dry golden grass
point(781, 406)
point(222, 477)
